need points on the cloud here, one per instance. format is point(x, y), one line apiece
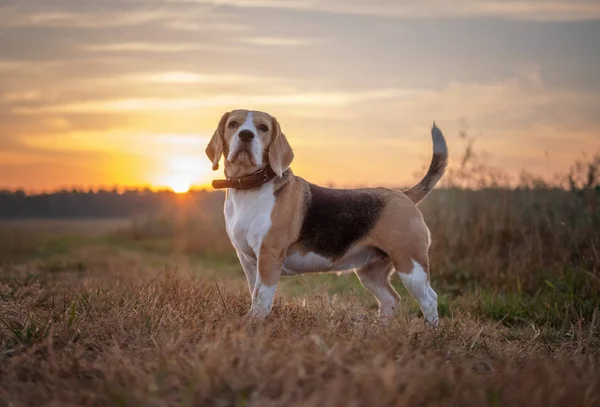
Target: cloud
point(143, 47)
point(209, 15)
point(331, 99)
point(22, 96)
point(179, 77)
point(511, 9)
point(81, 15)
point(11, 17)
point(130, 48)
point(277, 41)
point(8, 66)
point(216, 26)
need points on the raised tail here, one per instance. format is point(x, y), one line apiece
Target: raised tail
point(439, 161)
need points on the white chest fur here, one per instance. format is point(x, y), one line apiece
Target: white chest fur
point(248, 217)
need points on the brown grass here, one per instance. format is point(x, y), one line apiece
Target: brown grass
point(115, 339)
point(153, 314)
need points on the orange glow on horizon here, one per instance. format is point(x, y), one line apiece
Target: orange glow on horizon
point(180, 184)
point(122, 106)
point(181, 172)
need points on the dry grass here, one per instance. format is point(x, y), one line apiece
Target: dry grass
point(111, 338)
point(153, 314)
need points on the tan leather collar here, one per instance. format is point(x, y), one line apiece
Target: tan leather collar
point(246, 182)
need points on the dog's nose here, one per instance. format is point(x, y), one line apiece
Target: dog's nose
point(246, 135)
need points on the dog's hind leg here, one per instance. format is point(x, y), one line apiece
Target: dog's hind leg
point(415, 277)
point(375, 278)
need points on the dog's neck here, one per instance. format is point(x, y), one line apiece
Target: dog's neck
point(243, 179)
point(236, 170)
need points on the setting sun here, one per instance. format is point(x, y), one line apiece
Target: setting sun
point(180, 184)
point(179, 172)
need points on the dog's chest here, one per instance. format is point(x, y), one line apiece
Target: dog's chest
point(248, 217)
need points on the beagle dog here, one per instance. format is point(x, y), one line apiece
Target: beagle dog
point(281, 224)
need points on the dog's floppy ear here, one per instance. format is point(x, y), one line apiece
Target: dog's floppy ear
point(280, 151)
point(214, 150)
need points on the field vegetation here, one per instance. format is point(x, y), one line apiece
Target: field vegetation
point(150, 311)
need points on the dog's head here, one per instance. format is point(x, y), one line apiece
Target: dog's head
point(249, 140)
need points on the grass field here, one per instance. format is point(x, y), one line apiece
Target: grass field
point(150, 311)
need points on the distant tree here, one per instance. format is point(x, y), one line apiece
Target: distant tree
point(99, 204)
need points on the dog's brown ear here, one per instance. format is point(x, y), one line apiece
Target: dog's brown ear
point(214, 150)
point(280, 151)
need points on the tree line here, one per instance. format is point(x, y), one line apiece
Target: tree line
point(99, 204)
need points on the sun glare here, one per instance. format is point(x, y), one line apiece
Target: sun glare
point(181, 172)
point(180, 184)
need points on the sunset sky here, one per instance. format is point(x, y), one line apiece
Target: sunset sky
point(128, 92)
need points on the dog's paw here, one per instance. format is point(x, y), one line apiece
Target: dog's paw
point(431, 317)
point(257, 314)
point(432, 323)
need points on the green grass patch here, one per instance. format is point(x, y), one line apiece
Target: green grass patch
point(550, 307)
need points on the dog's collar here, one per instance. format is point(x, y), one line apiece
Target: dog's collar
point(246, 182)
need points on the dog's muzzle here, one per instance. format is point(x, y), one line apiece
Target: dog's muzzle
point(246, 136)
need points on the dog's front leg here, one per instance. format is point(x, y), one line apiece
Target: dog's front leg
point(249, 266)
point(267, 278)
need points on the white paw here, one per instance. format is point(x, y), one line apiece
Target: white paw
point(258, 312)
point(431, 317)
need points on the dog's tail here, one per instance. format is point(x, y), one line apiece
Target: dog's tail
point(439, 161)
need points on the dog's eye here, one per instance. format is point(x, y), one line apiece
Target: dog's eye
point(233, 124)
point(263, 127)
